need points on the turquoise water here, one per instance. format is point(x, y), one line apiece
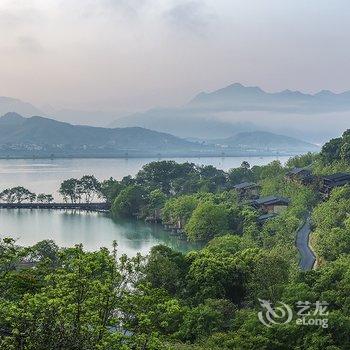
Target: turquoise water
point(93, 230)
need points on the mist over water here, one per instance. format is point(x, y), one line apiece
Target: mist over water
point(317, 128)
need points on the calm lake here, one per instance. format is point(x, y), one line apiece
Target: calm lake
point(93, 230)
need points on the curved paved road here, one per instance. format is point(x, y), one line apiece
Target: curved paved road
point(307, 256)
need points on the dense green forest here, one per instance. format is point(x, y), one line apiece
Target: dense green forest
point(70, 299)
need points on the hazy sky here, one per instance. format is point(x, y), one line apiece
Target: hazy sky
point(135, 54)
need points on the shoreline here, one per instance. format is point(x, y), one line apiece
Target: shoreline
point(153, 156)
point(93, 207)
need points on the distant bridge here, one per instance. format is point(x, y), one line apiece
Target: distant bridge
point(101, 207)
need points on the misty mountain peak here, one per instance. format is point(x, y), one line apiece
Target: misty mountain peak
point(12, 118)
point(293, 94)
point(289, 92)
point(9, 104)
point(238, 87)
point(235, 86)
point(237, 97)
point(233, 91)
point(325, 93)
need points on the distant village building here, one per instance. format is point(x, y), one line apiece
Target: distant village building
point(301, 175)
point(265, 217)
point(271, 204)
point(329, 182)
point(247, 190)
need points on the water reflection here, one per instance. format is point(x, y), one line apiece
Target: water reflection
point(93, 230)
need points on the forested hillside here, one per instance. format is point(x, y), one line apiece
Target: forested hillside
point(53, 298)
point(38, 136)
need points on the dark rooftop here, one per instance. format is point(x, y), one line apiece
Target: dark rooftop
point(337, 177)
point(245, 185)
point(266, 217)
point(271, 200)
point(296, 171)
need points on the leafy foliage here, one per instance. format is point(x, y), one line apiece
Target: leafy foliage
point(130, 201)
point(331, 220)
point(17, 195)
point(77, 190)
point(207, 221)
point(52, 298)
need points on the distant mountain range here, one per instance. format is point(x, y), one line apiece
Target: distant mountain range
point(8, 104)
point(268, 141)
point(224, 112)
point(95, 118)
point(220, 114)
point(43, 137)
point(184, 123)
point(237, 97)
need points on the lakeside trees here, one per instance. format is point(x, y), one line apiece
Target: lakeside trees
point(17, 195)
point(130, 201)
point(86, 190)
point(207, 221)
point(76, 190)
point(110, 189)
point(20, 194)
point(90, 188)
point(178, 210)
point(197, 204)
point(44, 198)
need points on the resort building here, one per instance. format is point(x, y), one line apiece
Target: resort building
point(271, 204)
point(329, 182)
point(247, 190)
point(301, 175)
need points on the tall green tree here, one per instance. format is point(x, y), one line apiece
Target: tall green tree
point(110, 189)
point(90, 187)
point(178, 210)
point(71, 190)
point(130, 201)
point(208, 220)
point(17, 194)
